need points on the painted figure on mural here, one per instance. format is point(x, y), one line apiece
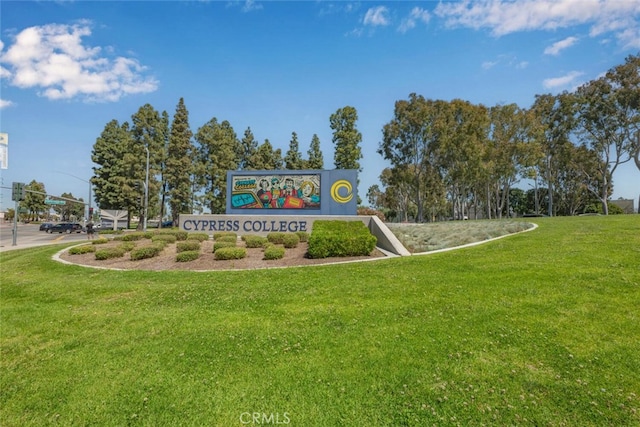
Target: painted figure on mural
point(264, 194)
point(307, 194)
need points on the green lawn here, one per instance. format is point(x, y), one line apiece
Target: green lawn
point(540, 328)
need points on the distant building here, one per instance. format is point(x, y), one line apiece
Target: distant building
point(625, 204)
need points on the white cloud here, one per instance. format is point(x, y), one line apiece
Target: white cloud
point(4, 104)
point(620, 17)
point(563, 81)
point(555, 48)
point(250, 5)
point(376, 16)
point(417, 15)
point(54, 59)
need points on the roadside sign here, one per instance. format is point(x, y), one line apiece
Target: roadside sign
point(54, 202)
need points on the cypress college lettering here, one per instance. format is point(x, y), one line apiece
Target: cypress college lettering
point(245, 226)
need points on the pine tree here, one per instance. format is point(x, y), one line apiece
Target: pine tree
point(179, 163)
point(346, 138)
point(316, 160)
point(248, 148)
point(293, 159)
point(110, 180)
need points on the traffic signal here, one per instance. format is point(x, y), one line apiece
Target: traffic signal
point(18, 191)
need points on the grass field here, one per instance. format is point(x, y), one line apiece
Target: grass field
point(540, 328)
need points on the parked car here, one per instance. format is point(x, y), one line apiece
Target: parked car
point(65, 227)
point(46, 226)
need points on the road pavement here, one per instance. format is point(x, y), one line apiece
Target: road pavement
point(29, 235)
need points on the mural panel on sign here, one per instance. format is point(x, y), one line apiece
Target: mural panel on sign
point(309, 192)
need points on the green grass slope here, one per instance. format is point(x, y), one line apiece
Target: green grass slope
point(540, 328)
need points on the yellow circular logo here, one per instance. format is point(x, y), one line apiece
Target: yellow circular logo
point(343, 185)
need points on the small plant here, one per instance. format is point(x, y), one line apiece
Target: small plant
point(220, 245)
point(136, 235)
point(127, 246)
point(84, 249)
point(290, 240)
point(252, 241)
point(303, 236)
point(188, 245)
point(340, 239)
point(218, 235)
point(274, 252)
point(109, 253)
point(145, 252)
point(201, 237)
point(276, 237)
point(100, 241)
point(167, 238)
point(227, 238)
point(230, 253)
point(187, 256)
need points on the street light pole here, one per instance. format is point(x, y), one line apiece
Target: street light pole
point(146, 193)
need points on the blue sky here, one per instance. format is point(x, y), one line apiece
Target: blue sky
point(70, 67)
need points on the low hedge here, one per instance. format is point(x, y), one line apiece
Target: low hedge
point(303, 235)
point(332, 238)
point(127, 246)
point(109, 253)
point(220, 234)
point(227, 238)
point(230, 253)
point(290, 240)
point(145, 252)
point(276, 237)
point(188, 245)
point(136, 235)
point(167, 238)
point(84, 249)
point(100, 241)
point(220, 245)
point(187, 256)
point(201, 237)
point(273, 252)
point(252, 241)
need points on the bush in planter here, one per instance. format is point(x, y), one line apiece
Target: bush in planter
point(84, 249)
point(220, 234)
point(187, 256)
point(188, 245)
point(146, 252)
point(273, 252)
point(230, 252)
point(303, 235)
point(276, 237)
point(227, 238)
point(252, 241)
point(201, 237)
point(290, 240)
point(136, 235)
point(167, 238)
point(127, 246)
point(100, 241)
point(220, 245)
point(339, 239)
point(109, 253)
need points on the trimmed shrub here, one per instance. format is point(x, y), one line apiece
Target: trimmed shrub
point(340, 238)
point(220, 245)
point(252, 241)
point(145, 252)
point(84, 249)
point(100, 241)
point(201, 237)
point(188, 245)
point(167, 238)
point(303, 236)
point(109, 253)
point(276, 237)
point(127, 246)
point(228, 238)
point(187, 256)
point(136, 235)
point(220, 234)
point(273, 252)
point(230, 253)
point(290, 240)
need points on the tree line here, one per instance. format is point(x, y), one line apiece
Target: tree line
point(452, 158)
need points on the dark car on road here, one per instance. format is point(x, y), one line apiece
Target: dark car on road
point(65, 227)
point(45, 226)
